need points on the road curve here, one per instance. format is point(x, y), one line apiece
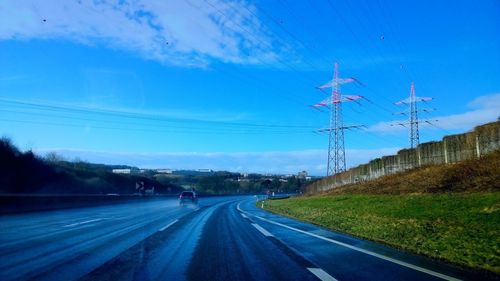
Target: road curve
point(223, 238)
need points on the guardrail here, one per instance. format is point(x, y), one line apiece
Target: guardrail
point(32, 203)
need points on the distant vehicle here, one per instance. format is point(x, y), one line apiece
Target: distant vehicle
point(188, 197)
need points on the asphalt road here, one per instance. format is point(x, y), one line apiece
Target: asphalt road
point(223, 238)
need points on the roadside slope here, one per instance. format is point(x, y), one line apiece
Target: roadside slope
point(448, 212)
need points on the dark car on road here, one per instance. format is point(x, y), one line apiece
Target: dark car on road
point(188, 198)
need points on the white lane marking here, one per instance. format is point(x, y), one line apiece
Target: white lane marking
point(402, 263)
point(262, 230)
point(168, 225)
point(238, 207)
point(83, 222)
point(243, 215)
point(321, 274)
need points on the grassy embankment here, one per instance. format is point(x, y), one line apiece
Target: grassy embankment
point(446, 212)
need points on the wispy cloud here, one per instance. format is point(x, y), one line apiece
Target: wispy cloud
point(278, 162)
point(188, 33)
point(484, 109)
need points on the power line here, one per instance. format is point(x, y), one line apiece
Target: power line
point(289, 66)
point(182, 131)
point(290, 34)
point(309, 29)
point(143, 116)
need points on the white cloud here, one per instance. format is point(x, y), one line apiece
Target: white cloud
point(484, 109)
point(278, 162)
point(190, 32)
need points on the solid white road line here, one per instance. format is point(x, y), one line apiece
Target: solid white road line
point(83, 222)
point(321, 274)
point(243, 215)
point(168, 225)
point(262, 230)
point(402, 263)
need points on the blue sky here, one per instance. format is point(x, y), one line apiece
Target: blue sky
point(228, 85)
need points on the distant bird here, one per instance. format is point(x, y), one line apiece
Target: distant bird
point(382, 37)
point(44, 20)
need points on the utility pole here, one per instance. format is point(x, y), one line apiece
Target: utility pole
point(336, 149)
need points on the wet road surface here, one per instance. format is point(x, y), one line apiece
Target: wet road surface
point(223, 238)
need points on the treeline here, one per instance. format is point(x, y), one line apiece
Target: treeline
point(226, 182)
point(26, 173)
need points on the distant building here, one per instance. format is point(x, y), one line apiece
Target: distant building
point(165, 171)
point(302, 175)
point(121, 171)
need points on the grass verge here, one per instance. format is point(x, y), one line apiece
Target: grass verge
point(461, 228)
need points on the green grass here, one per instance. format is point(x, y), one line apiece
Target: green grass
point(461, 228)
point(449, 212)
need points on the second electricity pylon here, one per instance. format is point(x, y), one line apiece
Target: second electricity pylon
point(336, 150)
point(413, 115)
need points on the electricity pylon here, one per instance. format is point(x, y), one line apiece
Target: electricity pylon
point(336, 149)
point(413, 115)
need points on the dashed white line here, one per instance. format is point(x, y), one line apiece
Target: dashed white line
point(168, 225)
point(321, 274)
point(262, 230)
point(402, 263)
point(243, 215)
point(83, 222)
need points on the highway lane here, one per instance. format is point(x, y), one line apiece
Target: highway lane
point(66, 244)
point(224, 238)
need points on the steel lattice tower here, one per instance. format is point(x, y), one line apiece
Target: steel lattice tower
point(336, 149)
point(414, 135)
point(412, 112)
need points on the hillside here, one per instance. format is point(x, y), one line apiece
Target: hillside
point(451, 149)
point(26, 173)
